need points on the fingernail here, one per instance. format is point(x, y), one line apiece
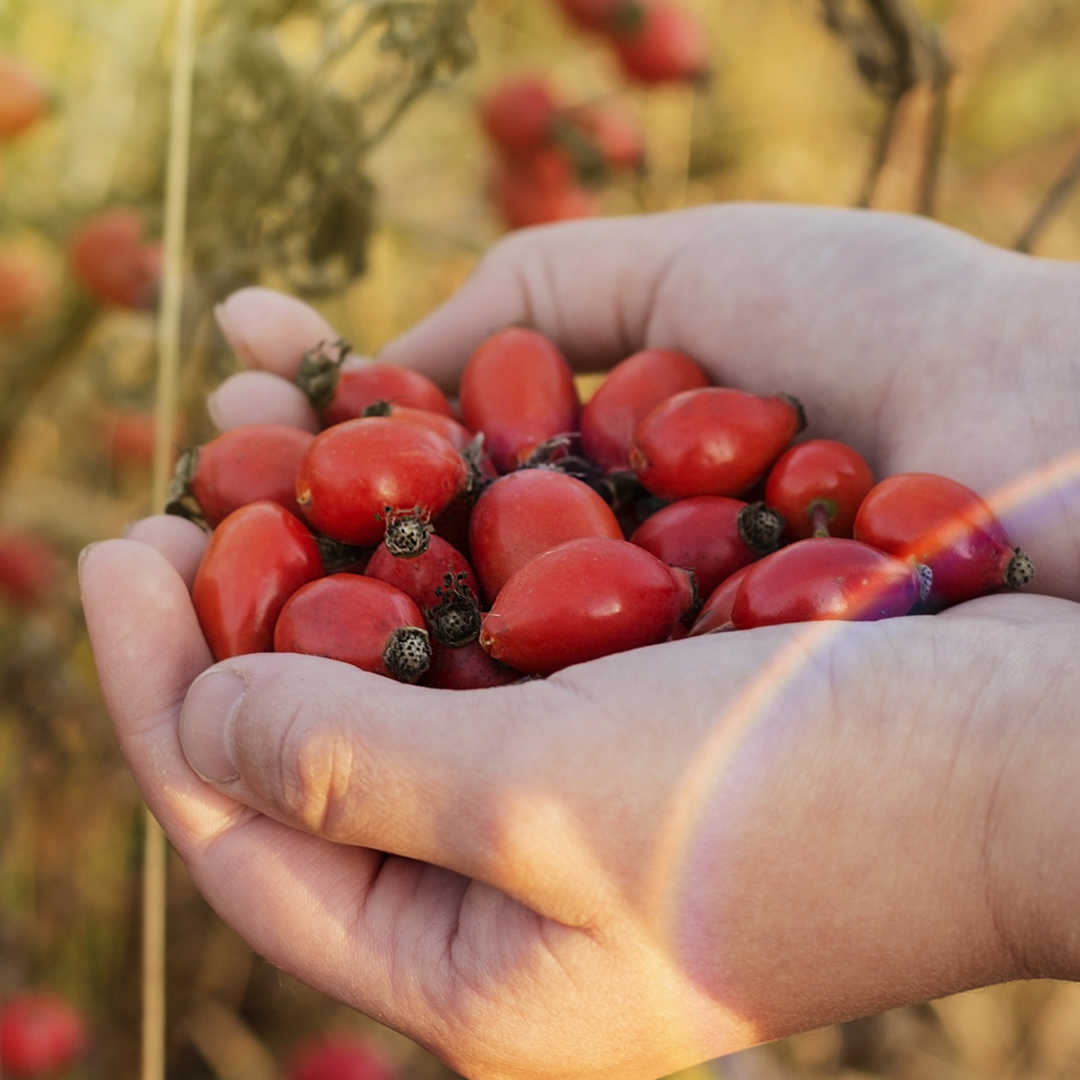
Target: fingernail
point(205, 723)
point(82, 556)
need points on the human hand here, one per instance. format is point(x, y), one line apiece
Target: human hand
point(661, 856)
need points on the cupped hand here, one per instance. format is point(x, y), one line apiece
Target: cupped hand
point(670, 854)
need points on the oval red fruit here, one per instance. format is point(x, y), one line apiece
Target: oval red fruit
point(518, 115)
point(23, 98)
point(527, 512)
point(246, 464)
point(540, 189)
point(456, 434)
point(817, 486)
point(354, 472)
point(29, 568)
point(358, 620)
point(111, 261)
point(946, 526)
point(341, 387)
point(581, 600)
point(715, 613)
point(255, 560)
point(825, 578)
point(24, 287)
point(518, 389)
point(669, 45)
point(629, 392)
point(40, 1034)
point(712, 441)
point(466, 668)
point(612, 131)
point(340, 1057)
point(710, 534)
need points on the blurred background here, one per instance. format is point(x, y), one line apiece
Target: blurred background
point(363, 154)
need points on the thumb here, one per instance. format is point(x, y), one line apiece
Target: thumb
point(359, 759)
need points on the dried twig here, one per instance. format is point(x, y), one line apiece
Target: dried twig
point(1054, 200)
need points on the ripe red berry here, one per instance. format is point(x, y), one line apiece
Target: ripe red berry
point(255, 560)
point(817, 486)
point(466, 668)
point(581, 600)
point(342, 388)
point(243, 465)
point(825, 578)
point(712, 441)
point(629, 392)
point(110, 259)
point(710, 534)
point(358, 620)
point(23, 98)
point(455, 433)
point(29, 568)
point(24, 286)
point(715, 613)
point(518, 115)
point(518, 389)
point(527, 512)
point(945, 525)
point(613, 132)
point(669, 45)
point(339, 1057)
point(40, 1034)
point(357, 472)
point(540, 189)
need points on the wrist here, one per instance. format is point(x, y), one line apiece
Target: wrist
point(1032, 846)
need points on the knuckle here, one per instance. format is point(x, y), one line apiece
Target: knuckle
point(322, 774)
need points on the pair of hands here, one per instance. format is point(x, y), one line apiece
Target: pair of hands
point(663, 856)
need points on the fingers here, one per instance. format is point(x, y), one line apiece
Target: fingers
point(271, 331)
point(306, 904)
point(180, 541)
point(259, 397)
point(359, 759)
point(591, 286)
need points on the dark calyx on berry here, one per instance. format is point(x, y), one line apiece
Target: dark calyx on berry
point(797, 405)
point(408, 532)
point(760, 527)
point(320, 369)
point(180, 499)
point(1020, 570)
point(339, 557)
point(382, 407)
point(407, 655)
point(455, 620)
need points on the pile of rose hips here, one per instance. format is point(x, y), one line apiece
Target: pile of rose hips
point(522, 533)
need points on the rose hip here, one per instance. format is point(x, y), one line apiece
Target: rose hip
point(825, 578)
point(466, 668)
point(456, 434)
point(668, 45)
point(343, 393)
point(715, 613)
point(255, 560)
point(527, 512)
point(242, 465)
point(629, 392)
point(712, 441)
point(817, 487)
point(945, 525)
point(357, 472)
point(581, 600)
point(40, 1034)
point(358, 620)
point(710, 534)
point(519, 391)
point(518, 115)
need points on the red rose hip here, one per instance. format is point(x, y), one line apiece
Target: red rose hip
point(357, 472)
point(945, 525)
point(826, 578)
point(358, 620)
point(255, 560)
point(40, 1034)
point(581, 600)
point(629, 392)
point(712, 441)
point(519, 391)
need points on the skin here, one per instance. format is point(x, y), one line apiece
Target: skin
point(661, 857)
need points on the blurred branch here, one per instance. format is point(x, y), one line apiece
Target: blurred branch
point(1052, 203)
point(895, 50)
